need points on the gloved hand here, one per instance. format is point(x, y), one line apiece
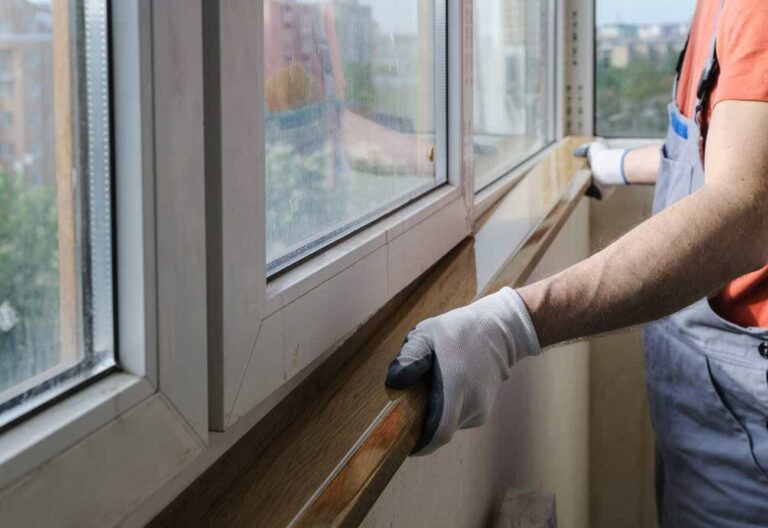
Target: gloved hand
point(607, 166)
point(466, 353)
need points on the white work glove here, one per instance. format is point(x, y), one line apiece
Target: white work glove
point(466, 354)
point(607, 167)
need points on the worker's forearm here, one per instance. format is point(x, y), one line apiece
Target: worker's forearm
point(641, 165)
point(673, 259)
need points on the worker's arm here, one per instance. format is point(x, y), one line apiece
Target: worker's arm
point(616, 167)
point(686, 252)
point(641, 165)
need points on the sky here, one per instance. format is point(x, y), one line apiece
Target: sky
point(394, 15)
point(400, 15)
point(644, 11)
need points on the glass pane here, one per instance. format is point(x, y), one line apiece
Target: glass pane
point(352, 130)
point(638, 44)
point(55, 246)
point(514, 67)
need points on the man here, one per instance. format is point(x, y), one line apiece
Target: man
point(690, 268)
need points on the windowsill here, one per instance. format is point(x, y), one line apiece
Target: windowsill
point(62, 425)
point(326, 452)
point(492, 193)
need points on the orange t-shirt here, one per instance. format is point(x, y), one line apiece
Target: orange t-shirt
point(742, 50)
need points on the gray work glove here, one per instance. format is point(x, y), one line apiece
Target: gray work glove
point(607, 166)
point(466, 354)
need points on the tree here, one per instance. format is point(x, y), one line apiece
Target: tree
point(291, 88)
point(632, 101)
point(360, 91)
point(29, 287)
point(300, 200)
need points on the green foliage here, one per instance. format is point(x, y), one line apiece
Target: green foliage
point(379, 168)
point(291, 87)
point(631, 102)
point(28, 277)
point(360, 91)
point(299, 196)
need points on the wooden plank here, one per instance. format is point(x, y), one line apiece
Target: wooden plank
point(65, 166)
point(324, 455)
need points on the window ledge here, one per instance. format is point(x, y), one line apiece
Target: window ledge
point(490, 195)
point(325, 453)
point(62, 425)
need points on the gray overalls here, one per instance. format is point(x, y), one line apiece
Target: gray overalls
point(707, 378)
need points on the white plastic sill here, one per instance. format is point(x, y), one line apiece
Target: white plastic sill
point(42, 436)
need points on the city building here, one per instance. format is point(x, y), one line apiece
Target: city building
point(619, 44)
point(27, 135)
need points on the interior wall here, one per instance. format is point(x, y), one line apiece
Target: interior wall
point(621, 438)
point(536, 438)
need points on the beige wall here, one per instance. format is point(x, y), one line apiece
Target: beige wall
point(536, 438)
point(621, 439)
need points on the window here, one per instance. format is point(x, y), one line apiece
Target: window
point(6, 119)
point(637, 47)
point(6, 61)
point(354, 124)
point(155, 418)
point(36, 149)
point(354, 128)
point(56, 327)
point(34, 90)
point(7, 152)
point(349, 103)
point(33, 60)
point(34, 120)
point(6, 89)
point(514, 76)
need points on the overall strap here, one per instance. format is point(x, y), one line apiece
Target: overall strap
point(708, 80)
point(679, 67)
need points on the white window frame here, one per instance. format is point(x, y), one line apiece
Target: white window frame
point(205, 341)
point(97, 454)
point(272, 333)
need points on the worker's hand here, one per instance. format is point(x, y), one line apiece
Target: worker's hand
point(466, 354)
point(607, 166)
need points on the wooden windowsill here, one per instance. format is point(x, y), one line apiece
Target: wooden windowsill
point(326, 452)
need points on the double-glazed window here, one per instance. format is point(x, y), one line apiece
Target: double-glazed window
point(248, 137)
point(514, 78)
point(355, 126)
point(355, 107)
point(56, 302)
point(355, 115)
point(637, 47)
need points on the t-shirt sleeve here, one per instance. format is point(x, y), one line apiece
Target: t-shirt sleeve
point(742, 49)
